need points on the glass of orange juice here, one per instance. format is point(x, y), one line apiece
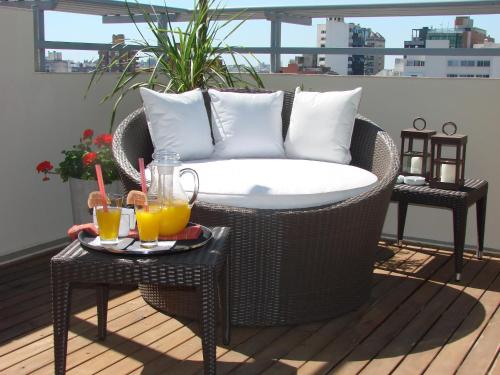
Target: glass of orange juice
point(108, 219)
point(148, 216)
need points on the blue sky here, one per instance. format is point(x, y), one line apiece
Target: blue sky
point(81, 28)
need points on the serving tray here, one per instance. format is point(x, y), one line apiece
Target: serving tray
point(131, 246)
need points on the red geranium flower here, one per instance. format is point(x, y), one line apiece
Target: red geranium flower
point(103, 140)
point(88, 133)
point(44, 166)
point(89, 158)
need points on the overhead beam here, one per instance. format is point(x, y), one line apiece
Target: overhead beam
point(138, 18)
point(289, 18)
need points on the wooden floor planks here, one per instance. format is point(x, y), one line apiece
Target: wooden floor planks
point(418, 320)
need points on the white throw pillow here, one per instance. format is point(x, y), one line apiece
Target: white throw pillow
point(321, 125)
point(247, 125)
point(178, 123)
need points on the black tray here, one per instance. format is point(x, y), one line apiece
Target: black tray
point(131, 246)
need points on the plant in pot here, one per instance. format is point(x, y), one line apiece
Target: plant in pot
point(78, 168)
point(185, 59)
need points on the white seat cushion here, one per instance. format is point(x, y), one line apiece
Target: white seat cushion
point(277, 183)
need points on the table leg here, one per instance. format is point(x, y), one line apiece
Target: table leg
point(208, 321)
point(102, 294)
point(402, 209)
point(61, 300)
point(481, 222)
point(459, 228)
point(226, 308)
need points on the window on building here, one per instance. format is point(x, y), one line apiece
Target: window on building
point(483, 63)
point(466, 75)
point(321, 59)
point(482, 76)
point(467, 63)
point(323, 38)
point(415, 63)
point(323, 31)
point(451, 75)
point(453, 63)
point(322, 45)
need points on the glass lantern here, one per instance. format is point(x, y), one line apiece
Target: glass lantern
point(448, 158)
point(415, 155)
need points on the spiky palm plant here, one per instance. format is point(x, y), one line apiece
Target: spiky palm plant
point(185, 59)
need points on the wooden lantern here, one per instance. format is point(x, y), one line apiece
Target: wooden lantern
point(448, 158)
point(415, 156)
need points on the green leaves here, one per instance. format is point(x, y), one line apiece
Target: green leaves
point(186, 59)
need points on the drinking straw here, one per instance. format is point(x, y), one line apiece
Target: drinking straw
point(144, 188)
point(100, 182)
point(143, 176)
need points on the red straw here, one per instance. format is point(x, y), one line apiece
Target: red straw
point(100, 182)
point(143, 176)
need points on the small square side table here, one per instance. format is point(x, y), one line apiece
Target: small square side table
point(474, 191)
point(201, 268)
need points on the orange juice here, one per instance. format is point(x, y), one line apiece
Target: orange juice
point(148, 223)
point(174, 217)
point(109, 222)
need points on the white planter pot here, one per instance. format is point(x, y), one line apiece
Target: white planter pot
point(80, 190)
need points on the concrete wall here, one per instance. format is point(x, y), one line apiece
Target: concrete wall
point(40, 114)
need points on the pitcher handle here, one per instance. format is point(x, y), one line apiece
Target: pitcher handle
point(193, 173)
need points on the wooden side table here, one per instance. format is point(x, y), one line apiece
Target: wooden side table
point(474, 191)
point(201, 268)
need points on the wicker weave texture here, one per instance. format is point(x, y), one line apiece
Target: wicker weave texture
point(288, 266)
point(198, 270)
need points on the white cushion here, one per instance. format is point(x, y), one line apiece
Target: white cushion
point(277, 183)
point(321, 125)
point(178, 123)
point(247, 125)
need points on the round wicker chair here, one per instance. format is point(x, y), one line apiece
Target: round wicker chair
point(287, 266)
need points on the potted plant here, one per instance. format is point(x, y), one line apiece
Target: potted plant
point(185, 59)
point(78, 167)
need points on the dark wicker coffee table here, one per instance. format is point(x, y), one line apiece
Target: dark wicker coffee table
point(474, 191)
point(201, 269)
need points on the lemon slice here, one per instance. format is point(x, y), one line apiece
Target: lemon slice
point(136, 197)
point(95, 199)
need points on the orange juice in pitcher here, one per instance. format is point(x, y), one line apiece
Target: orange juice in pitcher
point(174, 217)
point(166, 173)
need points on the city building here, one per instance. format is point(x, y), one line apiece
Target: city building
point(306, 64)
point(54, 63)
point(462, 35)
point(335, 33)
point(122, 58)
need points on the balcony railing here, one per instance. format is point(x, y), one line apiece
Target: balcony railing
point(117, 12)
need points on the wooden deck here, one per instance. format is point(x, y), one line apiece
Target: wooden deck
point(418, 320)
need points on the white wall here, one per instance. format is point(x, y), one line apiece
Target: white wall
point(40, 114)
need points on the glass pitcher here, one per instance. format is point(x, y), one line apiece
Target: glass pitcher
point(166, 176)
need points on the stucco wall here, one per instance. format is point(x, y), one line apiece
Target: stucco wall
point(40, 114)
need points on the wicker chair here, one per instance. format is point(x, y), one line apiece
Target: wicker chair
point(287, 266)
